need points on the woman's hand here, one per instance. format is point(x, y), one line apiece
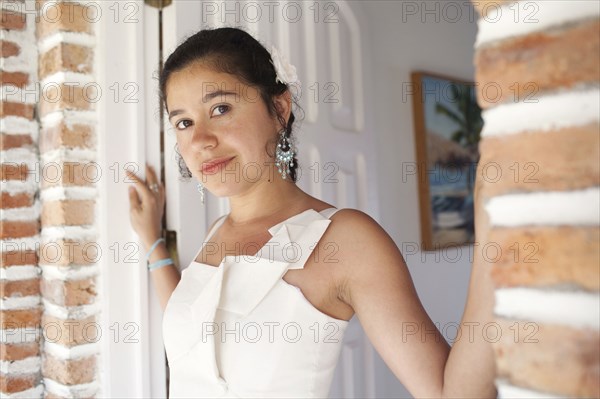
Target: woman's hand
point(146, 207)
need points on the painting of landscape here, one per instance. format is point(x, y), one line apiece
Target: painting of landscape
point(448, 124)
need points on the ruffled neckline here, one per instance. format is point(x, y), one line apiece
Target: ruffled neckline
point(244, 280)
point(282, 233)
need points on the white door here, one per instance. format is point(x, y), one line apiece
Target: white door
point(327, 43)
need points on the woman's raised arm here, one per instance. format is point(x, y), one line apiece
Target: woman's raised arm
point(146, 210)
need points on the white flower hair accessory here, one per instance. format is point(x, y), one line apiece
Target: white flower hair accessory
point(286, 72)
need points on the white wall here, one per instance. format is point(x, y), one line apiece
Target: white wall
point(400, 43)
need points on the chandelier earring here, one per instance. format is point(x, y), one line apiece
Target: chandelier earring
point(285, 73)
point(284, 155)
point(200, 188)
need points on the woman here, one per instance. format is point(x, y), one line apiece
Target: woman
point(246, 318)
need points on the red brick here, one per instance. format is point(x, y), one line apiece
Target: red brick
point(65, 17)
point(20, 382)
point(19, 200)
point(19, 288)
point(70, 292)
point(13, 171)
point(18, 79)
point(71, 332)
point(66, 57)
point(77, 136)
point(18, 256)
point(524, 68)
point(66, 97)
point(68, 212)
point(12, 20)
point(69, 252)
point(8, 141)
point(71, 174)
point(69, 372)
point(561, 160)
point(549, 358)
point(20, 318)
point(9, 49)
point(546, 256)
point(10, 352)
point(18, 229)
point(16, 109)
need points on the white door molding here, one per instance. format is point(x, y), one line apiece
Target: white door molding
point(132, 356)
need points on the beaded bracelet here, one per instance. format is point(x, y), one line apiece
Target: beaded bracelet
point(160, 263)
point(153, 247)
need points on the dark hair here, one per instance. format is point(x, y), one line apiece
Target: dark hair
point(233, 51)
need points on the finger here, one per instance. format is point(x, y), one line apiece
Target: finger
point(152, 178)
point(134, 199)
point(151, 175)
point(132, 175)
point(142, 188)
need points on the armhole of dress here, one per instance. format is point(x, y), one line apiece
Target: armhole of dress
point(210, 234)
point(329, 212)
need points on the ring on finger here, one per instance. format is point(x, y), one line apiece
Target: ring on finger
point(153, 187)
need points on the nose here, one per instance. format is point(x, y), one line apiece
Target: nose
point(203, 138)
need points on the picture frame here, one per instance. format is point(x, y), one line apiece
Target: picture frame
point(448, 123)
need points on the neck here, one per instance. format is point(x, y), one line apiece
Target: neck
point(265, 200)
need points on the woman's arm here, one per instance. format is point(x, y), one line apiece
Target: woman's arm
point(378, 286)
point(473, 360)
point(146, 209)
point(165, 278)
point(470, 369)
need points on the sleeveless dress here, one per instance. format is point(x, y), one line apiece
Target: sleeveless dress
point(240, 330)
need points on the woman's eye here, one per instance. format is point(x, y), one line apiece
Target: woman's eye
point(221, 109)
point(184, 123)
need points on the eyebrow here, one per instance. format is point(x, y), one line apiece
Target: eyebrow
point(205, 99)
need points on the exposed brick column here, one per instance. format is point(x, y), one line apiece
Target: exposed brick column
point(69, 253)
point(20, 310)
point(538, 194)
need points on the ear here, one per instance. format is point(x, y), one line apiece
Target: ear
point(283, 105)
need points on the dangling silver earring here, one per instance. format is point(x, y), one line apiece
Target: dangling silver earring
point(284, 155)
point(200, 188)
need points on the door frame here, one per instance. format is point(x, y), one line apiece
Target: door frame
point(132, 362)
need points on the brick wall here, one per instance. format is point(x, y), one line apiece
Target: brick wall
point(48, 201)
point(21, 309)
point(538, 191)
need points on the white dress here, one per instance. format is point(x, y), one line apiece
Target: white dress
point(240, 330)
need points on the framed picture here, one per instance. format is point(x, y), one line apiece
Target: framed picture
point(448, 124)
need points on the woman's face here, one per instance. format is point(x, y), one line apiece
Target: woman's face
point(217, 117)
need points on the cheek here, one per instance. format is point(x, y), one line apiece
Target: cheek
point(183, 137)
point(258, 149)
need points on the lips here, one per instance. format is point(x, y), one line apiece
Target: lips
point(215, 164)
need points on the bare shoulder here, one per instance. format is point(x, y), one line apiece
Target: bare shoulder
point(353, 217)
point(363, 250)
point(356, 231)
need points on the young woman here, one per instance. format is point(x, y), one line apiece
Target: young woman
point(262, 310)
